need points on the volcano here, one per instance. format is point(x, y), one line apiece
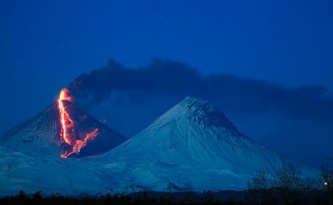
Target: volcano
point(191, 147)
point(192, 143)
point(42, 134)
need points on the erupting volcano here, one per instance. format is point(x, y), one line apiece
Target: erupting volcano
point(62, 129)
point(68, 129)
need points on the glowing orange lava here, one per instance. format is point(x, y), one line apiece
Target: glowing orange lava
point(67, 127)
point(79, 144)
point(66, 121)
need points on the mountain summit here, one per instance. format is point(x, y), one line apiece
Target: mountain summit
point(192, 142)
point(201, 113)
point(42, 134)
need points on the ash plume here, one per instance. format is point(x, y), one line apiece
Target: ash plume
point(171, 78)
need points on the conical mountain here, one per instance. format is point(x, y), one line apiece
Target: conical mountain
point(42, 134)
point(192, 143)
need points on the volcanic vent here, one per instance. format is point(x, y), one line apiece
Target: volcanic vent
point(62, 129)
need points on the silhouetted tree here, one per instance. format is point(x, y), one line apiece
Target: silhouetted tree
point(258, 187)
point(290, 186)
point(327, 174)
point(21, 195)
point(190, 194)
point(207, 197)
point(287, 186)
point(38, 195)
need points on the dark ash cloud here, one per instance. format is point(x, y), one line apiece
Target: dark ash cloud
point(224, 90)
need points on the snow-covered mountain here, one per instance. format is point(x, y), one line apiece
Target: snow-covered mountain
point(193, 143)
point(30, 155)
point(41, 133)
point(193, 146)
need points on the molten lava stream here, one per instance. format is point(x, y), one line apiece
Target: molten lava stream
point(79, 144)
point(67, 127)
point(66, 121)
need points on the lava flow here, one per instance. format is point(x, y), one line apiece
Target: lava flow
point(79, 144)
point(67, 123)
point(67, 127)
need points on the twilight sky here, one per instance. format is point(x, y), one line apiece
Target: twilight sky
point(45, 45)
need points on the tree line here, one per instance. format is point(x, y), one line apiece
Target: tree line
point(288, 186)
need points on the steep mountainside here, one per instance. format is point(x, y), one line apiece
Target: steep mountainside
point(42, 134)
point(193, 143)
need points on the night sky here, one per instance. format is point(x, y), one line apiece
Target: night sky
point(45, 45)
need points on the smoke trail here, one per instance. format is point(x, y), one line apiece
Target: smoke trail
point(165, 77)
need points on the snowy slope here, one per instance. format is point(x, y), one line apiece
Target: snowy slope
point(49, 174)
point(38, 134)
point(41, 134)
point(191, 144)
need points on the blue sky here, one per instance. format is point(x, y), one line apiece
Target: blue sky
point(46, 44)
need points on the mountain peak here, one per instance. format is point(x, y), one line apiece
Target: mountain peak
point(193, 141)
point(201, 113)
point(42, 133)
